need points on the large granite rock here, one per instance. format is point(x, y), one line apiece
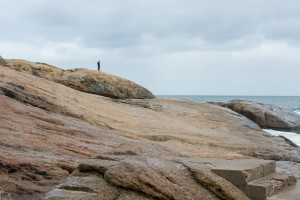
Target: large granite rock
point(85, 80)
point(2, 61)
point(154, 172)
point(47, 129)
point(266, 116)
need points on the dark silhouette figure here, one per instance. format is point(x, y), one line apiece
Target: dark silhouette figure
point(98, 63)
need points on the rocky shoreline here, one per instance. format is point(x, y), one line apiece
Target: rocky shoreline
point(61, 142)
point(266, 116)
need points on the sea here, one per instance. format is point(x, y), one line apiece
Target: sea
point(289, 102)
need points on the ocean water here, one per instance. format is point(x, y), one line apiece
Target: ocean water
point(290, 135)
point(288, 102)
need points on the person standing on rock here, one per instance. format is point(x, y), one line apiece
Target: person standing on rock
point(98, 63)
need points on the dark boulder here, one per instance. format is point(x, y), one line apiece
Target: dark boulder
point(265, 115)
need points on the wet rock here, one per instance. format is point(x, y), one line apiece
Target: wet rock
point(266, 116)
point(293, 169)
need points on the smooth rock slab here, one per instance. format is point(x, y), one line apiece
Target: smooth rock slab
point(270, 185)
point(157, 178)
point(61, 194)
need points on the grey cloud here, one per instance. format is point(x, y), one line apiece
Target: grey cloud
point(107, 24)
point(223, 46)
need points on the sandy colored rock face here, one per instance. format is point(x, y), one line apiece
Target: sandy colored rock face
point(156, 172)
point(47, 128)
point(84, 80)
point(147, 174)
point(40, 149)
point(192, 128)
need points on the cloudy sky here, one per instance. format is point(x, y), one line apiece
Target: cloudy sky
point(200, 47)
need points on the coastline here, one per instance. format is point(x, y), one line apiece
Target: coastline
point(289, 102)
point(59, 139)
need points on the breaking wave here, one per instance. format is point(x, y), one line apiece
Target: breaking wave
point(290, 135)
point(297, 111)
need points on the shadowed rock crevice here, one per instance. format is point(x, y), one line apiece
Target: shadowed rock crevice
point(8, 93)
point(163, 138)
point(17, 92)
point(289, 141)
point(29, 171)
point(266, 119)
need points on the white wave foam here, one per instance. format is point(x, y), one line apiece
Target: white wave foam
point(297, 111)
point(290, 135)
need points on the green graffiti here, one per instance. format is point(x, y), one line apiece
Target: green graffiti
point(98, 86)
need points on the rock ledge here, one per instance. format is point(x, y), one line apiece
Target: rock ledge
point(84, 80)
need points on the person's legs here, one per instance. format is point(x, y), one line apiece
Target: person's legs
point(98, 63)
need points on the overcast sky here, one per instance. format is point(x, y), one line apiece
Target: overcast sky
point(200, 47)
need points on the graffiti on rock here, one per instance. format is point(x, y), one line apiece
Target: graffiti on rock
point(99, 86)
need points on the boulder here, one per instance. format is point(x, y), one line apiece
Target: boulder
point(157, 173)
point(265, 115)
point(84, 80)
point(2, 61)
point(145, 174)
